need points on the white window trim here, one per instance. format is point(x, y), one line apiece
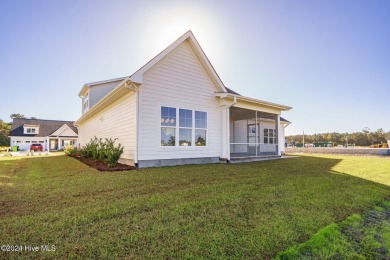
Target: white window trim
point(268, 136)
point(177, 129)
point(85, 105)
point(31, 132)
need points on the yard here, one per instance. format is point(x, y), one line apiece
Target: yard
point(251, 210)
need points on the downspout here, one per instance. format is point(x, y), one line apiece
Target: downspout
point(137, 131)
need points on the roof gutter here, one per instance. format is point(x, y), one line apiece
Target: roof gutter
point(253, 101)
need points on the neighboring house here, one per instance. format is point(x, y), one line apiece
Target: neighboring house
point(176, 110)
point(52, 134)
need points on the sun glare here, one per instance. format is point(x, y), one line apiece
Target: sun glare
point(166, 24)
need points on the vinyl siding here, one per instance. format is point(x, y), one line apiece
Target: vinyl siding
point(97, 92)
point(178, 81)
point(115, 121)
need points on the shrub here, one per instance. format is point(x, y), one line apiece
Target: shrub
point(68, 149)
point(91, 149)
point(112, 152)
point(104, 151)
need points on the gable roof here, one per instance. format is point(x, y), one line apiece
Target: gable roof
point(132, 82)
point(190, 38)
point(64, 130)
point(46, 127)
point(84, 89)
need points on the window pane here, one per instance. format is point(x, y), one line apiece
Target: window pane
point(185, 137)
point(200, 137)
point(167, 136)
point(271, 136)
point(185, 118)
point(168, 116)
point(266, 136)
point(200, 119)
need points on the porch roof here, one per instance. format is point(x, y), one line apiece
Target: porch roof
point(252, 101)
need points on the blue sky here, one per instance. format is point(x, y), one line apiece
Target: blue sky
point(329, 60)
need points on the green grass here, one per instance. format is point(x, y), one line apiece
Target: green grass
point(357, 237)
point(251, 210)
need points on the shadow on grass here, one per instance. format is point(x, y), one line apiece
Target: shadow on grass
point(249, 210)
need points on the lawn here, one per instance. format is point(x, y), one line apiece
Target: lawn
point(251, 210)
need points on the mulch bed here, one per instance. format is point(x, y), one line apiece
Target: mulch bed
point(101, 166)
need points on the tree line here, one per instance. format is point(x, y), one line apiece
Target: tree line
point(362, 138)
point(6, 127)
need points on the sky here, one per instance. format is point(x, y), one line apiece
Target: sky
point(329, 60)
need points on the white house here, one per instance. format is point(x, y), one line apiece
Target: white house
point(52, 134)
point(176, 110)
point(388, 140)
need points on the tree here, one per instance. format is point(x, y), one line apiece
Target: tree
point(4, 131)
point(12, 116)
point(363, 138)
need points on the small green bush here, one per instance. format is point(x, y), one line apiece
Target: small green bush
point(104, 151)
point(68, 149)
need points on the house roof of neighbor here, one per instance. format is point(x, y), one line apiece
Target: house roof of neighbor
point(46, 127)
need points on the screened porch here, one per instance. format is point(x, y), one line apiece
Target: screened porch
point(253, 133)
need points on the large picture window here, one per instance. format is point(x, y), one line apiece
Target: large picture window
point(269, 136)
point(188, 129)
point(168, 126)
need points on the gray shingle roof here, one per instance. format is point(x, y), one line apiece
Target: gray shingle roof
point(46, 127)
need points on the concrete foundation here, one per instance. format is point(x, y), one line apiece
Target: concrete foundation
point(126, 161)
point(352, 151)
point(172, 162)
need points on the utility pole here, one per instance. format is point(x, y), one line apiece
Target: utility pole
point(346, 138)
point(303, 139)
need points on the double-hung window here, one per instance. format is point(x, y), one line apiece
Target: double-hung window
point(85, 102)
point(269, 136)
point(168, 126)
point(185, 127)
point(200, 128)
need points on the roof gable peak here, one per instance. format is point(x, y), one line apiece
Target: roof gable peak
point(190, 38)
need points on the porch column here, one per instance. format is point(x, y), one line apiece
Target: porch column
point(59, 144)
point(48, 145)
point(257, 130)
point(277, 125)
point(225, 129)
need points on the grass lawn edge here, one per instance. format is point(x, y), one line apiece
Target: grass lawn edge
point(358, 236)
